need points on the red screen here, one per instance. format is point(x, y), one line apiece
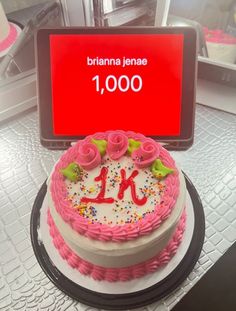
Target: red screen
point(116, 81)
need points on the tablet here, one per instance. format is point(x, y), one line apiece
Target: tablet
point(97, 79)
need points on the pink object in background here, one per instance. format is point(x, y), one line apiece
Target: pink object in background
point(10, 39)
point(221, 46)
point(8, 33)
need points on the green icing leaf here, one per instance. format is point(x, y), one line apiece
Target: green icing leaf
point(159, 170)
point(101, 145)
point(72, 172)
point(133, 145)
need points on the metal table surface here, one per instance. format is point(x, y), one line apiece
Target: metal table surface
point(24, 165)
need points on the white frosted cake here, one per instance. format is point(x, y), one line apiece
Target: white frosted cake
point(116, 206)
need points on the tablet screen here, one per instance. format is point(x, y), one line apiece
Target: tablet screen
point(116, 81)
point(140, 79)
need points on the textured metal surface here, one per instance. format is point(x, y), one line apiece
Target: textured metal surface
point(25, 164)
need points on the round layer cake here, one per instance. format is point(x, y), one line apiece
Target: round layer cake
point(116, 206)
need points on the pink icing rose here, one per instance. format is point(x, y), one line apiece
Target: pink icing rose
point(146, 154)
point(117, 145)
point(88, 156)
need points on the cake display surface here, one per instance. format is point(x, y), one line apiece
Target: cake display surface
point(114, 212)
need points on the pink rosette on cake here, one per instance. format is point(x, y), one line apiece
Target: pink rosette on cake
point(88, 156)
point(146, 154)
point(117, 145)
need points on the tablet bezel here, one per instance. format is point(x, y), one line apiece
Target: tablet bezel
point(44, 90)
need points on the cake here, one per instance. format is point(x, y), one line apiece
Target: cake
point(116, 206)
point(221, 46)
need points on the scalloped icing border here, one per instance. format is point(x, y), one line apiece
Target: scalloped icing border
point(99, 273)
point(118, 233)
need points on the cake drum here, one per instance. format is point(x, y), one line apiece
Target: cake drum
point(119, 295)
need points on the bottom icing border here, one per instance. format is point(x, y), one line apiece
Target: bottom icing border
point(99, 273)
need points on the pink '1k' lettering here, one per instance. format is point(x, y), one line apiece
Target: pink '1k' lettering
point(101, 196)
point(125, 183)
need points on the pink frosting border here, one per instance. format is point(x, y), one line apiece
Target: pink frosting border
point(117, 233)
point(99, 273)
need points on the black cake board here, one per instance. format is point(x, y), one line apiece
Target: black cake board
point(120, 295)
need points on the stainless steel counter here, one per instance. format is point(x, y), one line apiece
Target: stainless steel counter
point(24, 165)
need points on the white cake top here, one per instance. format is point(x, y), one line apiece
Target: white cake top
point(121, 211)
